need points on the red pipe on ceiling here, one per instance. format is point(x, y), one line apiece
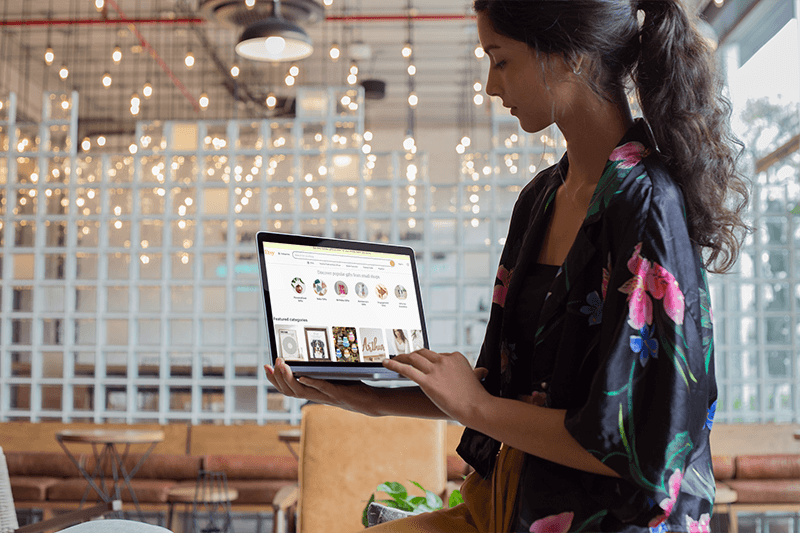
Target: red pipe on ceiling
point(74, 22)
point(398, 18)
point(331, 18)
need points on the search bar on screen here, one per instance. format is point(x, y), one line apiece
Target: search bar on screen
point(342, 259)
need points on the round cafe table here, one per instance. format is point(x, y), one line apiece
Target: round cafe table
point(110, 448)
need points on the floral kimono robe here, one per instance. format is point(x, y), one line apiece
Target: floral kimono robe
point(622, 342)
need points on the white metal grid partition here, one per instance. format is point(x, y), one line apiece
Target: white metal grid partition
point(129, 285)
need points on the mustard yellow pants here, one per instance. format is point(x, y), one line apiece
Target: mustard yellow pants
point(488, 503)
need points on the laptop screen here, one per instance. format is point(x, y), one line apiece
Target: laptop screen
point(331, 301)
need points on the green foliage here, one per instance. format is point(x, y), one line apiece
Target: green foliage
point(399, 498)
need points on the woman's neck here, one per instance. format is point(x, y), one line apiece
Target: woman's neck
point(592, 132)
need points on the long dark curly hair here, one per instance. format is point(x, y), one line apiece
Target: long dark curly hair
point(655, 44)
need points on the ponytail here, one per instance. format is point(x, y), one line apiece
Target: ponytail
point(679, 91)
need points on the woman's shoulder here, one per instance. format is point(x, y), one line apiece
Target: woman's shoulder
point(649, 188)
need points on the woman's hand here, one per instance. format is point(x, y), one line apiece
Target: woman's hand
point(354, 397)
point(446, 378)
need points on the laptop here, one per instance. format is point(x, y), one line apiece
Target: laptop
point(336, 308)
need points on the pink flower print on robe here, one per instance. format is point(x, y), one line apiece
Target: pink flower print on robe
point(703, 525)
point(501, 290)
point(640, 307)
point(662, 284)
point(651, 279)
point(667, 504)
point(628, 154)
point(559, 523)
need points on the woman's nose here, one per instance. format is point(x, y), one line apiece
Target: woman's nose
point(492, 88)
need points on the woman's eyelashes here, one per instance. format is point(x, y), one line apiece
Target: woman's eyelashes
point(500, 64)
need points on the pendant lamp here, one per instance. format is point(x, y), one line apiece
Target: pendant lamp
point(274, 39)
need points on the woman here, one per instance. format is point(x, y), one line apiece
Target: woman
point(401, 343)
point(597, 367)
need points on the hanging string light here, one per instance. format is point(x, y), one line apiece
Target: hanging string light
point(352, 77)
point(49, 55)
point(271, 101)
point(63, 72)
point(135, 101)
point(189, 59)
point(147, 90)
point(479, 53)
point(409, 143)
point(203, 101)
point(107, 80)
point(116, 55)
point(335, 52)
point(235, 70)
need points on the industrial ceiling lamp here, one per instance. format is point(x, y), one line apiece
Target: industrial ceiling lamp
point(274, 39)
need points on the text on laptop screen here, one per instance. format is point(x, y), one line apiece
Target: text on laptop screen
point(337, 305)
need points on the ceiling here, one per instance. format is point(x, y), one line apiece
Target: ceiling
point(157, 35)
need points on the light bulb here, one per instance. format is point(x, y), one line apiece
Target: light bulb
point(189, 59)
point(99, 4)
point(275, 45)
point(412, 70)
point(64, 72)
point(235, 70)
point(465, 140)
point(413, 100)
point(334, 53)
point(353, 68)
point(289, 80)
point(460, 149)
point(406, 50)
point(352, 79)
point(147, 90)
point(101, 141)
point(116, 55)
point(294, 70)
point(107, 80)
point(271, 101)
point(134, 110)
point(203, 101)
point(367, 136)
point(478, 99)
point(477, 86)
point(479, 53)
point(328, 3)
point(250, 3)
point(408, 143)
point(86, 144)
point(49, 56)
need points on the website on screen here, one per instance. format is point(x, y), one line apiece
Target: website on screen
point(348, 306)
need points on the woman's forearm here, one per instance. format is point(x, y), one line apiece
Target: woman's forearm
point(404, 401)
point(535, 430)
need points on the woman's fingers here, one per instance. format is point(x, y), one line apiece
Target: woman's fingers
point(422, 362)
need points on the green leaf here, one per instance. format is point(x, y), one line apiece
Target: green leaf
point(677, 451)
point(394, 489)
point(417, 500)
point(432, 500)
point(364, 514)
point(455, 498)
